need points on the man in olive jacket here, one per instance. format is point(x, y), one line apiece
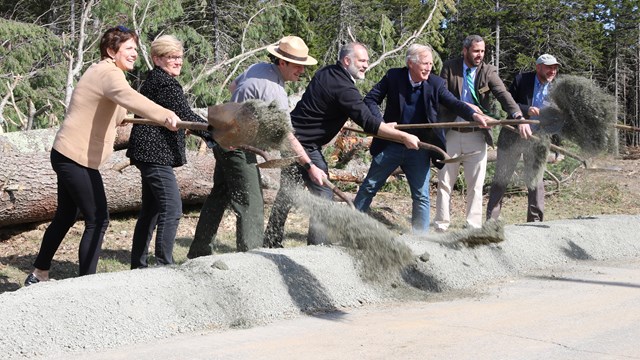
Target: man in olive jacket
point(471, 81)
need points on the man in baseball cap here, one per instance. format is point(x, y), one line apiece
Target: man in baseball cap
point(530, 90)
point(546, 59)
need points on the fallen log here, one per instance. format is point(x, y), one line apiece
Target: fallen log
point(27, 142)
point(41, 140)
point(28, 185)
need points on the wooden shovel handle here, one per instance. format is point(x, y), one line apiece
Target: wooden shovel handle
point(464, 124)
point(338, 192)
point(189, 125)
point(626, 127)
point(421, 144)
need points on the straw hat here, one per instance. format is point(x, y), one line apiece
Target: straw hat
point(292, 49)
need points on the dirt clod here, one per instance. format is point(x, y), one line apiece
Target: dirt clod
point(491, 232)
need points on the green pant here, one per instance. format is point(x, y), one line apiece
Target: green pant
point(236, 183)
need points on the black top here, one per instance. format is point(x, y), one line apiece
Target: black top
point(329, 100)
point(157, 144)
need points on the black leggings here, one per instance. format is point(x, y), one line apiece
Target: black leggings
point(80, 191)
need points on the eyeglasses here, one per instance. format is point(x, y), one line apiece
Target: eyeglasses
point(174, 57)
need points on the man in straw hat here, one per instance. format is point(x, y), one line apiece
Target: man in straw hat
point(530, 91)
point(236, 177)
point(330, 99)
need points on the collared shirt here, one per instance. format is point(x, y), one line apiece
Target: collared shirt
point(347, 70)
point(466, 92)
point(261, 81)
point(413, 83)
point(540, 94)
point(466, 95)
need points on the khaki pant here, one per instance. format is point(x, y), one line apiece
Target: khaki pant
point(474, 167)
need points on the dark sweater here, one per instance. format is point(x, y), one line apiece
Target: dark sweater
point(157, 144)
point(329, 100)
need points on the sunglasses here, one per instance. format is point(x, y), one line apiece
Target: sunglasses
point(121, 29)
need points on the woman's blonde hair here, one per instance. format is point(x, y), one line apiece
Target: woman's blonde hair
point(166, 44)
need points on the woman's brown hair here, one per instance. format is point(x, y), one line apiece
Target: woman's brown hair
point(113, 38)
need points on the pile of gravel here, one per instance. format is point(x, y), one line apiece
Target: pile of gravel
point(242, 290)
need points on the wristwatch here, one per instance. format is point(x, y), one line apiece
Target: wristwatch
point(307, 166)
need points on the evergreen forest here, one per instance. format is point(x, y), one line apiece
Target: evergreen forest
point(45, 45)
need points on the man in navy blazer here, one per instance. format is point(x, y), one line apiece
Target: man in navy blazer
point(412, 97)
point(530, 90)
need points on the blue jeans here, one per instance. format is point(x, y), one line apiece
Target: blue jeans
point(161, 211)
point(415, 164)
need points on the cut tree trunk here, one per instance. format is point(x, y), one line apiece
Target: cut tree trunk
point(41, 140)
point(28, 185)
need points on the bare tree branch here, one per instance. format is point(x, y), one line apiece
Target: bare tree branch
point(75, 64)
point(413, 36)
point(216, 67)
point(239, 58)
point(136, 27)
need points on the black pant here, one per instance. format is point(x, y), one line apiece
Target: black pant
point(161, 210)
point(290, 177)
point(80, 191)
point(510, 148)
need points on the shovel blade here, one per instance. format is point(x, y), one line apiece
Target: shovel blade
point(278, 163)
point(460, 158)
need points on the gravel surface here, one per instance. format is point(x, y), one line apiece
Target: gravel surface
point(247, 289)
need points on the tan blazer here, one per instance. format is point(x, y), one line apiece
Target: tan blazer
point(487, 82)
point(98, 104)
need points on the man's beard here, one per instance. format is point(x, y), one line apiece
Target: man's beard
point(354, 71)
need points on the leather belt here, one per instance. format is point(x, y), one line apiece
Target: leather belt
point(466, 129)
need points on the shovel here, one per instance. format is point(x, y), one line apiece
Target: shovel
point(548, 126)
point(188, 125)
point(464, 124)
point(626, 127)
point(553, 147)
point(232, 124)
point(422, 145)
point(326, 182)
point(283, 162)
point(269, 163)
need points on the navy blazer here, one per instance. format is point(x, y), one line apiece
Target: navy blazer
point(521, 90)
point(395, 87)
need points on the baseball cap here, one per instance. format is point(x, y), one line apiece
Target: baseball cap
point(547, 59)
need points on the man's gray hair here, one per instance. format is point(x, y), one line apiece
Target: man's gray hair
point(414, 51)
point(469, 40)
point(349, 49)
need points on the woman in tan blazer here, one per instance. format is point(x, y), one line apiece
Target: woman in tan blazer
point(85, 140)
